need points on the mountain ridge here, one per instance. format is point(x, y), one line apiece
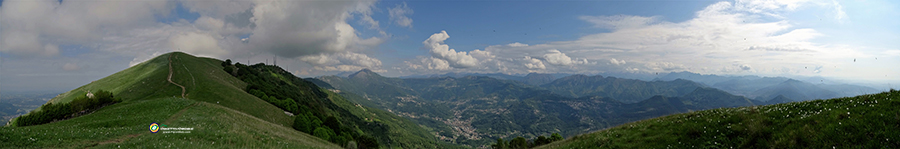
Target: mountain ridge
point(215, 104)
point(475, 110)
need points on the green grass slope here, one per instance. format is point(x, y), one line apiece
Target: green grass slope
point(216, 106)
point(125, 125)
point(202, 78)
point(866, 121)
point(388, 129)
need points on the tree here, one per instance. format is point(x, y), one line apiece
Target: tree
point(301, 123)
point(324, 133)
point(314, 122)
point(366, 141)
point(226, 63)
point(518, 143)
point(500, 144)
point(556, 137)
point(333, 123)
point(541, 140)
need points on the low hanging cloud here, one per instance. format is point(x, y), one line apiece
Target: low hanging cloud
point(558, 58)
point(198, 44)
point(517, 44)
point(616, 62)
point(533, 63)
point(346, 61)
point(745, 67)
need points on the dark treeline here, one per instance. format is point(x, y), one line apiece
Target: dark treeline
point(314, 113)
point(79, 106)
point(522, 143)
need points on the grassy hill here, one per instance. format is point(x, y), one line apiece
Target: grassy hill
point(126, 125)
point(477, 110)
point(215, 105)
point(866, 121)
point(355, 119)
point(202, 78)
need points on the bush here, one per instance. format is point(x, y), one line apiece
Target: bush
point(332, 123)
point(82, 105)
point(518, 143)
point(301, 123)
point(556, 137)
point(366, 141)
point(323, 132)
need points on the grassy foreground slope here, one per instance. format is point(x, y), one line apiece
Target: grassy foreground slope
point(221, 113)
point(866, 121)
point(125, 125)
point(202, 78)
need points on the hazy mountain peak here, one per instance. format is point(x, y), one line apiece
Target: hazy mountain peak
point(581, 76)
point(780, 99)
point(364, 73)
point(792, 81)
point(538, 78)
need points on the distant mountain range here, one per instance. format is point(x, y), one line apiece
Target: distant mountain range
point(754, 87)
point(476, 110)
point(766, 88)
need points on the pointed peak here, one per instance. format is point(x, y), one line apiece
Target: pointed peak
point(792, 81)
point(364, 73)
point(367, 70)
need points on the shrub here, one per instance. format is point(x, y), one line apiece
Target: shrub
point(366, 141)
point(323, 132)
point(301, 123)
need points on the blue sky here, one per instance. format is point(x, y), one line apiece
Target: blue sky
point(59, 45)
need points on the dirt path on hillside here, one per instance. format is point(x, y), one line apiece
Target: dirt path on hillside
point(170, 75)
point(169, 120)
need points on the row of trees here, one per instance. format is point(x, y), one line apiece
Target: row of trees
point(82, 105)
point(522, 143)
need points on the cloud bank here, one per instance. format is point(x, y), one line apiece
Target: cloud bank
point(723, 38)
point(300, 31)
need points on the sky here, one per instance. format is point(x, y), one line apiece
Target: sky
point(63, 44)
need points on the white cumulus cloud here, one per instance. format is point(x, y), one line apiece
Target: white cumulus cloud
point(437, 48)
point(399, 14)
point(533, 63)
point(616, 62)
point(345, 61)
point(198, 44)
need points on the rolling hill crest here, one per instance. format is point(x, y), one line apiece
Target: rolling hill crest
point(180, 90)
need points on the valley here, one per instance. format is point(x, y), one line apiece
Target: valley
point(367, 109)
point(476, 110)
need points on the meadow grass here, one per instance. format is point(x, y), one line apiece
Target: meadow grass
point(216, 106)
point(866, 121)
